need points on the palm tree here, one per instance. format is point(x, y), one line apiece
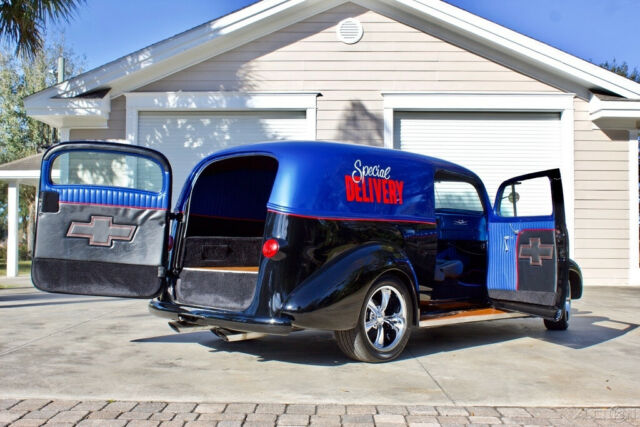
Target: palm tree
point(22, 21)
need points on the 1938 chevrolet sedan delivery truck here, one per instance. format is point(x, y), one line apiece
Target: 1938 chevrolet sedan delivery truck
point(276, 237)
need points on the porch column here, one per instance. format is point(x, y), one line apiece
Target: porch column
point(12, 228)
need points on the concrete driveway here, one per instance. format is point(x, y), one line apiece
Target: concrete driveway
point(66, 347)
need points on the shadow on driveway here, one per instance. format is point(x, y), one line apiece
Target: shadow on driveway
point(36, 299)
point(319, 348)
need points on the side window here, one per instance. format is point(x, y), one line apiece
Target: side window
point(108, 169)
point(457, 195)
point(531, 197)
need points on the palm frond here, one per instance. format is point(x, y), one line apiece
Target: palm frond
point(22, 22)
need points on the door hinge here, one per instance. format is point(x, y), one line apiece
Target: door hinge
point(161, 272)
point(176, 215)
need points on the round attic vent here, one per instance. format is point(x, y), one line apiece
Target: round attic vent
point(349, 31)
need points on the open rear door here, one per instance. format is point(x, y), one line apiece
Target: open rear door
point(102, 220)
point(528, 245)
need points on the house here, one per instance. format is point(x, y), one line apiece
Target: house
point(418, 75)
point(25, 171)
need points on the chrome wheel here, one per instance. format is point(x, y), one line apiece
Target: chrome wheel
point(384, 322)
point(385, 319)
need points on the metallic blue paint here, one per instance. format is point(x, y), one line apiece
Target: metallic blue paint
point(105, 195)
point(332, 296)
point(311, 180)
point(501, 273)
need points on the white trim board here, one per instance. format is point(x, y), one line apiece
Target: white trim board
point(611, 114)
point(634, 257)
point(561, 103)
point(71, 112)
point(20, 175)
point(218, 101)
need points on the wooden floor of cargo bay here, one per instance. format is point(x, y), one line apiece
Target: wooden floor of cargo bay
point(66, 347)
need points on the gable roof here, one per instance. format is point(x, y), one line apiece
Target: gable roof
point(60, 106)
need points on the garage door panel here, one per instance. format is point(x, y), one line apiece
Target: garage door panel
point(494, 145)
point(187, 137)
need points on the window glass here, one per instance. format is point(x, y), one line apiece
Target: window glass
point(457, 195)
point(531, 197)
point(108, 169)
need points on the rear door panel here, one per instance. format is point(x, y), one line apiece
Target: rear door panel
point(102, 220)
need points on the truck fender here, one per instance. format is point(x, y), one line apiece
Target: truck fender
point(575, 279)
point(332, 297)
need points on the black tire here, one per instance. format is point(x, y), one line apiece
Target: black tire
point(563, 323)
point(380, 335)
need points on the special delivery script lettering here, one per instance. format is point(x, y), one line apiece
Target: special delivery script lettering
point(373, 184)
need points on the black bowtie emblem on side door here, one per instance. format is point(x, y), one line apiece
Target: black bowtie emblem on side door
point(101, 231)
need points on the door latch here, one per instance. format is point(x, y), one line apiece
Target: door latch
point(506, 243)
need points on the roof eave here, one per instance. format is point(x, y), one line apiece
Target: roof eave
point(513, 43)
point(188, 48)
point(621, 115)
point(20, 175)
point(70, 112)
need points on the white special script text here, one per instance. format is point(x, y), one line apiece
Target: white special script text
point(361, 171)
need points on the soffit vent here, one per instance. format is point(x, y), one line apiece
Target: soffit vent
point(349, 31)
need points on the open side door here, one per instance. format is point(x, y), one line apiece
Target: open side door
point(528, 245)
point(102, 223)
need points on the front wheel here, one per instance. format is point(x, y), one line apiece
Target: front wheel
point(384, 324)
point(563, 323)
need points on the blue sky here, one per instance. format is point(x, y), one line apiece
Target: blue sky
point(595, 30)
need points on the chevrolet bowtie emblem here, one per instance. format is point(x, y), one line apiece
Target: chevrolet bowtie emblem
point(536, 251)
point(101, 231)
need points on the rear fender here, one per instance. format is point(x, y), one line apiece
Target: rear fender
point(333, 296)
point(575, 279)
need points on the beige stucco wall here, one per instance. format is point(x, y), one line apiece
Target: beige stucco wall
point(395, 57)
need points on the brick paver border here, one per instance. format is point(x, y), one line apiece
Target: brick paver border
point(36, 412)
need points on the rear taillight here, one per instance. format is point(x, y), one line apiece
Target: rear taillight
point(270, 248)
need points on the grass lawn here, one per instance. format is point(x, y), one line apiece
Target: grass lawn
point(24, 267)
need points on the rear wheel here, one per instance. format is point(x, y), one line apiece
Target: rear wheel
point(384, 324)
point(563, 323)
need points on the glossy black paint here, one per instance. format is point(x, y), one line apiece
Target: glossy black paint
point(323, 271)
point(224, 319)
point(575, 279)
point(331, 298)
point(330, 264)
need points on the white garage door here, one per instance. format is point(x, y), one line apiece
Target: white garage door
point(496, 146)
point(186, 137)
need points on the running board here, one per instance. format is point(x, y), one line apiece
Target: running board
point(468, 316)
